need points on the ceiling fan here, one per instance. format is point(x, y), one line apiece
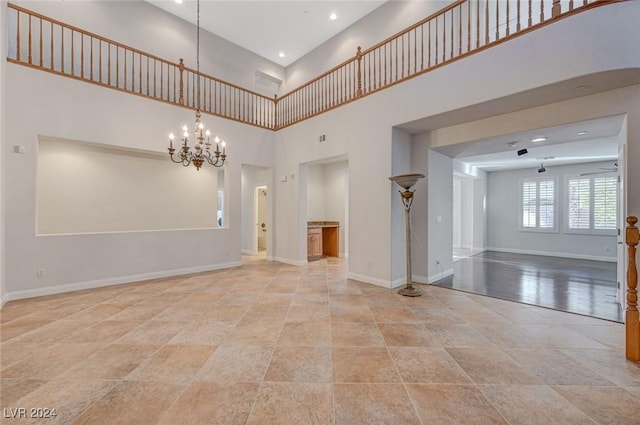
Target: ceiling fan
point(605, 170)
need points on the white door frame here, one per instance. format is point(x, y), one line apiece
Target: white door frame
point(256, 218)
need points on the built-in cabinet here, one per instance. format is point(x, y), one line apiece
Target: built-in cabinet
point(322, 239)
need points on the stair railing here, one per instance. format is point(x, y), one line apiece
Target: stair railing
point(632, 317)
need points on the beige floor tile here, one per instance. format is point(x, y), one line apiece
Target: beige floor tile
point(152, 332)
point(305, 333)
point(384, 299)
point(393, 314)
point(50, 362)
point(346, 313)
point(611, 335)
point(363, 364)
point(12, 390)
point(605, 405)
point(212, 403)
point(373, 404)
point(457, 335)
point(562, 337)
point(533, 405)
point(236, 364)
point(14, 352)
point(491, 366)
point(102, 332)
point(427, 365)
point(289, 403)
point(55, 331)
point(100, 311)
point(131, 402)
point(300, 364)
point(140, 312)
point(173, 363)
point(509, 335)
point(20, 327)
point(112, 362)
point(611, 364)
point(203, 332)
point(553, 367)
point(445, 404)
point(273, 313)
point(308, 313)
point(364, 334)
point(436, 314)
point(306, 299)
point(231, 313)
point(69, 398)
point(252, 332)
point(179, 313)
point(407, 335)
point(348, 300)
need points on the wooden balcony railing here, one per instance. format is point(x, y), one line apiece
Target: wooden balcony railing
point(463, 28)
point(632, 317)
point(53, 46)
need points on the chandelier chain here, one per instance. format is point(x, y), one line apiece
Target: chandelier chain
point(198, 55)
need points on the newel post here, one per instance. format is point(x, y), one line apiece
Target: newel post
point(632, 317)
point(275, 112)
point(359, 59)
point(181, 68)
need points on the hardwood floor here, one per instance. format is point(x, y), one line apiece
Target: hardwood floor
point(575, 286)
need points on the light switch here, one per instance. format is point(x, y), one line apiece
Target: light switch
point(438, 219)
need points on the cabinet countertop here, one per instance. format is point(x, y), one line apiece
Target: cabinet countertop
point(320, 224)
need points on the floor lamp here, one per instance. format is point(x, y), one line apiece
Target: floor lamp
point(406, 182)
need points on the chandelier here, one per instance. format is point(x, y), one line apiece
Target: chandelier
point(202, 145)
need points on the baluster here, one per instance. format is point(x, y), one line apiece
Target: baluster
point(444, 38)
point(429, 47)
point(51, 48)
point(541, 11)
point(91, 59)
point(459, 9)
point(632, 318)
point(435, 62)
point(468, 26)
point(486, 23)
point(518, 19)
point(30, 47)
point(477, 25)
point(81, 55)
point(497, 20)
point(125, 68)
point(570, 4)
point(422, 47)
point(18, 36)
point(530, 14)
point(140, 75)
point(555, 9)
point(73, 56)
point(181, 70)
point(508, 29)
point(41, 42)
point(451, 54)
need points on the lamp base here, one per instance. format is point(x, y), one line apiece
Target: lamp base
point(410, 291)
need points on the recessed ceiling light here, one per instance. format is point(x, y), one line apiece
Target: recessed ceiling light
point(581, 133)
point(281, 54)
point(511, 144)
point(178, 1)
point(539, 139)
point(333, 16)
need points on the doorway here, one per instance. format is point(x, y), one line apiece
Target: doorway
point(261, 220)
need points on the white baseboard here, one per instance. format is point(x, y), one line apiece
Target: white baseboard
point(248, 252)
point(92, 284)
point(372, 280)
point(291, 262)
point(343, 255)
point(554, 254)
point(438, 276)
point(270, 258)
point(3, 300)
point(421, 279)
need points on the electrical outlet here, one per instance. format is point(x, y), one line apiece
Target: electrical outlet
point(41, 273)
point(437, 261)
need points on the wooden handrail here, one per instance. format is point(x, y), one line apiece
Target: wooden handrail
point(632, 318)
point(462, 28)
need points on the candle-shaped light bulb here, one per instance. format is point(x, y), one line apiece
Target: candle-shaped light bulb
point(217, 140)
point(186, 134)
point(200, 125)
point(171, 136)
point(184, 128)
point(224, 144)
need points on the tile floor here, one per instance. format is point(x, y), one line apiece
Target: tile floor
point(269, 343)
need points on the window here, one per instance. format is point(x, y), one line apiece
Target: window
point(538, 205)
point(593, 204)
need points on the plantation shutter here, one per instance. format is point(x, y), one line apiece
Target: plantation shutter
point(547, 204)
point(579, 196)
point(605, 198)
point(529, 204)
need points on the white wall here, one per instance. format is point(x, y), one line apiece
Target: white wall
point(148, 28)
point(440, 217)
point(503, 217)
point(72, 262)
point(316, 192)
point(360, 130)
point(479, 241)
point(84, 188)
point(390, 18)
